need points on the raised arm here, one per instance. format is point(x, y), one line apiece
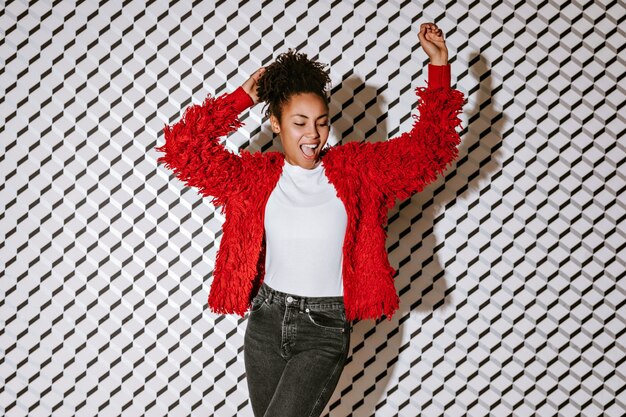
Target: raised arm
point(192, 147)
point(406, 164)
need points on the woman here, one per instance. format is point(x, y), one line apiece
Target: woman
point(303, 245)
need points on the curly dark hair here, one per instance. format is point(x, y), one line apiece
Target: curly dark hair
point(290, 74)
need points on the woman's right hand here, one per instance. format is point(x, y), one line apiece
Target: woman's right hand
point(250, 86)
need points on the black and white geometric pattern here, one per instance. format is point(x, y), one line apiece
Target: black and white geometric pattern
point(509, 267)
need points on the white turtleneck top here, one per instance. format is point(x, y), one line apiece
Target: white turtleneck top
point(305, 225)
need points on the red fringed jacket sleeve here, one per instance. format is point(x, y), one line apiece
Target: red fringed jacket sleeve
point(406, 164)
point(193, 150)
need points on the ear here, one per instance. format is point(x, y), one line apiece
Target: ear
point(275, 124)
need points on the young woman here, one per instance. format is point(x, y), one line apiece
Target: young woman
point(303, 245)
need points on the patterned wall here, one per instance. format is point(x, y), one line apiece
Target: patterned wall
point(507, 268)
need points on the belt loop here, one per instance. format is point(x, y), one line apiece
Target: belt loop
point(269, 297)
point(302, 304)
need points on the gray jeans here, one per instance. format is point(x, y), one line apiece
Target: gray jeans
point(295, 349)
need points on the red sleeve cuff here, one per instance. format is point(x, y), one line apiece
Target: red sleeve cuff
point(241, 99)
point(438, 75)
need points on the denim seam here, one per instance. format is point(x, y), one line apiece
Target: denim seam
point(323, 327)
point(332, 374)
point(283, 331)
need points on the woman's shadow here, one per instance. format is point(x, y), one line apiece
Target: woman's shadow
point(358, 112)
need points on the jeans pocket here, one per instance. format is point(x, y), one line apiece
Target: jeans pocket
point(257, 303)
point(328, 319)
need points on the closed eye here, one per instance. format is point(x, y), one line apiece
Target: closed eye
point(302, 124)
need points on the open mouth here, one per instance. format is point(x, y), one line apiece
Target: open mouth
point(309, 150)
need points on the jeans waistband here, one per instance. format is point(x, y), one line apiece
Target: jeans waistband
point(316, 303)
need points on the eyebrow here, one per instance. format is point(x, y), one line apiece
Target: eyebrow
point(306, 117)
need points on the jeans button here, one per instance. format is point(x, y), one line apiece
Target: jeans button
point(289, 299)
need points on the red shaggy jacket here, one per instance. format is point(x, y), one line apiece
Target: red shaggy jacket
point(368, 178)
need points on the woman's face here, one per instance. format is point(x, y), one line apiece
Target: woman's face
point(304, 122)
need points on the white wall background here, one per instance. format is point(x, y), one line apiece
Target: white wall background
point(508, 266)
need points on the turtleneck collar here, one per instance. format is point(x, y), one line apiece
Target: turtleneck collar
point(299, 169)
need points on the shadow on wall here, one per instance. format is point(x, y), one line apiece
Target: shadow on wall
point(420, 281)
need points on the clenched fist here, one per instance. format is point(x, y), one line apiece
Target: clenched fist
point(431, 39)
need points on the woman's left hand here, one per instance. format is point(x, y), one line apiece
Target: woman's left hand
point(431, 39)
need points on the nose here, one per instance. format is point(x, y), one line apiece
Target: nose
point(312, 132)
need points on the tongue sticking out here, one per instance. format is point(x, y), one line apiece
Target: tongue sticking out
point(307, 151)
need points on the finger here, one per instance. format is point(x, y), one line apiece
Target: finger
point(426, 27)
point(258, 74)
point(437, 32)
point(422, 29)
point(428, 31)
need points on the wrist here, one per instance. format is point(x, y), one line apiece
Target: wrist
point(439, 61)
point(243, 87)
